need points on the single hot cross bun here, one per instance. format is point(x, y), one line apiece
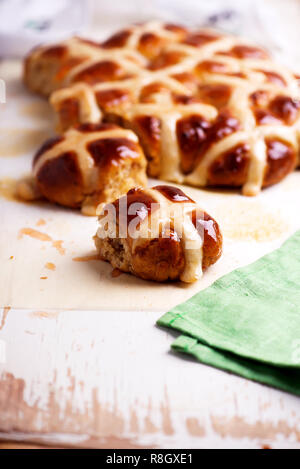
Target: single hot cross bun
point(210, 109)
point(158, 234)
point(88, 165)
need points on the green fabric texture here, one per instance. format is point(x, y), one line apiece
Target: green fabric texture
point(248, 322)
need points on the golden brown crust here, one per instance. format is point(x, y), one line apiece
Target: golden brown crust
point(231, 167)
point(118, 39)
point(159, 259)
point(45, 69)
point(213, 240)
point(46, 146)
point(282, 159)
point(106, 70)
point(69, 113)
point(191, 134)
point(108, 99)
point(148, 129)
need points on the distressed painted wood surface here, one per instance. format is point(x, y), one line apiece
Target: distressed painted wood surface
point(81, 360)
point(107, 379)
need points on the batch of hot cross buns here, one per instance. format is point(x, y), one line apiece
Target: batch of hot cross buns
point(190, 107)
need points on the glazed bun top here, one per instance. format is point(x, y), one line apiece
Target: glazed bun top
point(161, 212)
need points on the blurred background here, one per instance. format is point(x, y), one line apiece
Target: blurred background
point(272, 23)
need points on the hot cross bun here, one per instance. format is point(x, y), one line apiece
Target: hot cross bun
point(88, 165)
point(158, 234)
point(209, 109)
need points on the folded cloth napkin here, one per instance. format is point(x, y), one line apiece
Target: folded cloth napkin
point(248, 322)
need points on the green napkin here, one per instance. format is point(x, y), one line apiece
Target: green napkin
point(248, 322)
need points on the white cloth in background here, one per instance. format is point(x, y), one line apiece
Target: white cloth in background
point(271, 23)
